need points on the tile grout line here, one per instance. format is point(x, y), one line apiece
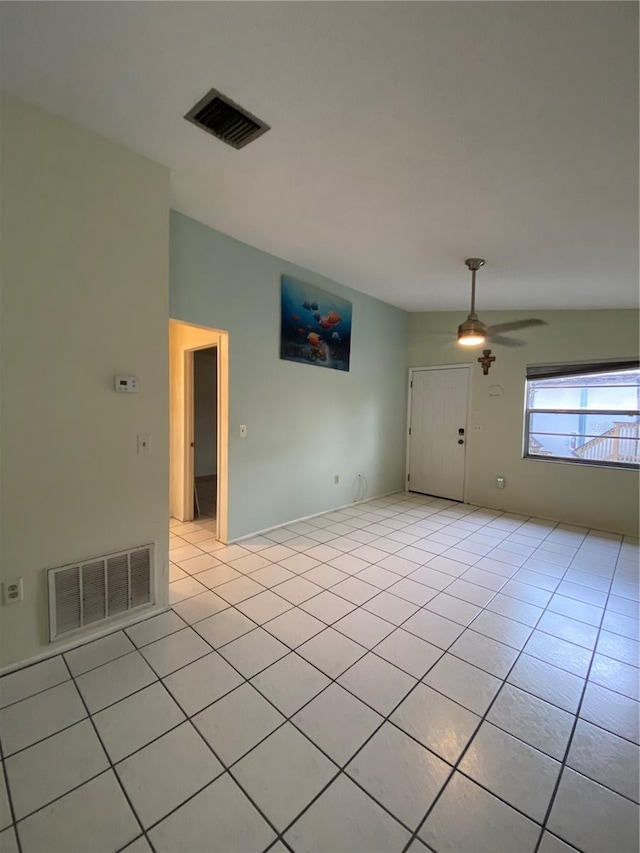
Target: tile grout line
point(385, 719)
point(455, 769)
point(293, 606)
point(214, 649)
point(371, 649)
point(325, 589)
point(289, 719)
point(413, 834)
point(225, 768)
point(108, 757)
point(13, 824)
point(366, 650)
point(112, 766)
point(87, 718)
point(86, 645)
point(286, 719)
point(563, 763)
point(467, 627)
point(408, 576)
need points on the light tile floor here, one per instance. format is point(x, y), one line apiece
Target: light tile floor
point(206, 489)
point(405, 674)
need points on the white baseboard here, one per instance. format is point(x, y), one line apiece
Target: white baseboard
point(66, 645)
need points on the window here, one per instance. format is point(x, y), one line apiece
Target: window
point(587, 414)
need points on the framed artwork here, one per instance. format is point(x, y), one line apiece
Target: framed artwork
point(315, 326)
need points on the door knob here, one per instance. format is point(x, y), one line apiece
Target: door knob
point(460, 441)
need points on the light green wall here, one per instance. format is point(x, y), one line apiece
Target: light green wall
point(304, 423)
point(602, 498)
point(84, 296)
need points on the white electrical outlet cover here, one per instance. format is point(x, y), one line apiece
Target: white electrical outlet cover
point(13, 591)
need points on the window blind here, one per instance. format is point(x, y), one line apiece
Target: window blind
point(556, 371)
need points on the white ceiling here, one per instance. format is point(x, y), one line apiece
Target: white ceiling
point(405, 136)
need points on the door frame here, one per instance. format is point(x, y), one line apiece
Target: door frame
point(184, 339)
point(465, 366)
point(222, 437)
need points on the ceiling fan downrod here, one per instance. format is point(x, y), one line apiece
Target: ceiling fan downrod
point(474, 265)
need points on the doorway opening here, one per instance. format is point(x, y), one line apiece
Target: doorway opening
point(199, 395)
point(205, 432)
point(437, 444)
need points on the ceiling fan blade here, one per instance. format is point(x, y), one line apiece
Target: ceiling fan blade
point(505, 342)
point(516, 324)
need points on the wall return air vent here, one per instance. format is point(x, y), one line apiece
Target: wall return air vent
point(99, 589)
point(229, 122)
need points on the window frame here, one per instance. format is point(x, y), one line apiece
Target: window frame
point(577, 370)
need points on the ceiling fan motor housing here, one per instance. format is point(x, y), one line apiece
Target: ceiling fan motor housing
point(472, 332)
point(472, 326)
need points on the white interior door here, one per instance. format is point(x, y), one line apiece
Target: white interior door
point(438, 431)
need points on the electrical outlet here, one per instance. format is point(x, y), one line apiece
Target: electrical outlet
point(13, 591)
point(336, 479)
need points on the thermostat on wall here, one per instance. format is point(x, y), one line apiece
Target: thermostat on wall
point(126, 384)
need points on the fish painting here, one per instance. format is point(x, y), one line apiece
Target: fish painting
point(315, 326)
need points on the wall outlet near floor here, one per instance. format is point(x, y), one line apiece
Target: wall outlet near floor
point(12, 591)
point(499, 482)
point(336, 479)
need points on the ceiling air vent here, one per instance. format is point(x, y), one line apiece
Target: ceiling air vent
point(219, 116)
point(99, 589)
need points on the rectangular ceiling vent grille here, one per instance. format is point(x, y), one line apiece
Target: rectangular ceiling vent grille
point(99, 589)
point(229, 122)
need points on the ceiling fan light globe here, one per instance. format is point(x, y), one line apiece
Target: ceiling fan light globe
point(471, 339)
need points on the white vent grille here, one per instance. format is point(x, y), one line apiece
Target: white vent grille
point(99, 589)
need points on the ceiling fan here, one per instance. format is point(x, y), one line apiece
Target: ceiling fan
point(474, 332)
